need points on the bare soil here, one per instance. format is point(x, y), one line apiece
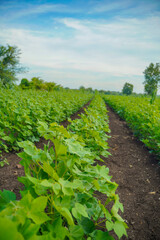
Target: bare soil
point(138, 174)
point(132, 166)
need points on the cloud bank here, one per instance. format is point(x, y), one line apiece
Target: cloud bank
point(101, 53)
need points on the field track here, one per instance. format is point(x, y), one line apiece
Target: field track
point(135, 170)
point(138, 174)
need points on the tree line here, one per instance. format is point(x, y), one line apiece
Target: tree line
point(10, 67)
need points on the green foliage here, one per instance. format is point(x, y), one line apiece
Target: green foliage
point(24, 83)
point(39, 84)
point(3, 162)
point(9, 65)
point(152, 79)
point(127, 89)
point(142, 117)
point(21, 111)
point(92, 127)
point(36, 82)
point(58, 200)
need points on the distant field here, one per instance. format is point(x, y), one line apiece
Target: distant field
point(142, 117)
point(21, 110)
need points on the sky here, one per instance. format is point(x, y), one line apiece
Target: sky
point(92, 43)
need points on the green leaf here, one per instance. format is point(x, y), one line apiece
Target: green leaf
point(36, 212)
point(58, 231)
point(29, 229)
point(79, 210)
point(96, 184)
point(50, 170)
point(87, 225)
point(100, 235)
point(75, 147)
point(109, 225)
point(8, 230)
point(78, 184)
point(60, 148)
point(56, 188)
point(28, 147)
point(105, 211)
point(120, 229)
point(61, 170)
point(47, 236)
point(46, 183)
point(5, 197)
point(67, 187)
point(38, 217)
point(43, 127)
point(39, 204)
point(76, 232)
point(65, 213)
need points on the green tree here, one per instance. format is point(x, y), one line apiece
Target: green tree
point(9, 64)
point(152, 79)
point(127, 88)
point(37, 82)
point(25, 83)
point(49, 86)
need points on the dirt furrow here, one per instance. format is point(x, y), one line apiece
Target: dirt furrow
point(138, 174)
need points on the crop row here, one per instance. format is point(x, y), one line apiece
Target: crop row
point(62, 181)
point(142, 117)
point(21, 110)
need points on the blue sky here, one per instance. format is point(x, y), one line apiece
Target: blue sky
point(98, 44)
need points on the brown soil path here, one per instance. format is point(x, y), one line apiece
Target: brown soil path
point(10, 173)
point(138, 174)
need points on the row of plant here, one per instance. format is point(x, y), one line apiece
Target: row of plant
point(142, 117)
point(61, 182)
point(21, 110)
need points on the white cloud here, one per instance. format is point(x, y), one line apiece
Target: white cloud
point(94, 52)
point(107, 6)
point(28, 9)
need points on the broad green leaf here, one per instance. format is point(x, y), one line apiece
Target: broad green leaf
point(57, 229)
point(67, 187)
point(43, 127)
point(39, 204)
point(62, 169)
point(60, 148)
point(100, 235)
point(105, 211)
point(96, 184)
point(47, 236)
point(120, 229)
point(109, 225)
point(36, 212)
point(28, 147)
point(5, 197)
point(78, 184)
point(79, 210)
point(65, 213)
point(29, 229)
point(38, 217)
point(76, 232)
point(87, 225)
point(8, 230)
point(75, 147)
point(56, 188)
point(47, 183)
point(50, 170)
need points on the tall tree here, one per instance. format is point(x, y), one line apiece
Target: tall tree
point(152, 80)
point(9, 64)
point(127, 88)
